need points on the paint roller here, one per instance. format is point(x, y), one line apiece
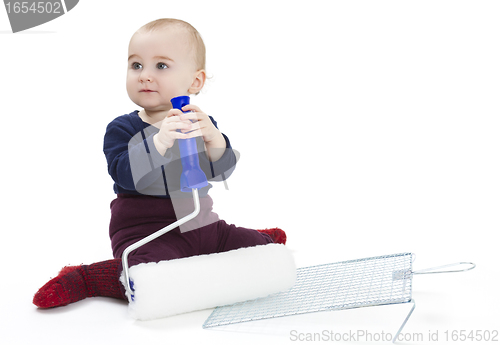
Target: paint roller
point(178, 286)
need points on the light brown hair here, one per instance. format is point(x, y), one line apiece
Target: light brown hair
point(194, 35)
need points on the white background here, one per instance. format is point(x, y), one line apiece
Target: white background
point(365, 128)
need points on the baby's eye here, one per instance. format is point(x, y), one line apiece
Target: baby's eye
point(136, 65)
point(161, 65)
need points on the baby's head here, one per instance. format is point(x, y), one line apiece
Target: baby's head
point(166, 60)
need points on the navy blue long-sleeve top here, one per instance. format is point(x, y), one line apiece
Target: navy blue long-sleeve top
point(138, 168)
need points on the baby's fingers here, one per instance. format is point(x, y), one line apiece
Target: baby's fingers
point(179, 125)
point(174, 112)
point(192, 127)
point(191, 107)
point(190, 116)
point(179, 135)
point(194, 134)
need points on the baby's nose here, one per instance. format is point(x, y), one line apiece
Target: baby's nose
point(145, 76)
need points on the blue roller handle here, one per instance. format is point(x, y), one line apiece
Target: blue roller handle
point(192, 176)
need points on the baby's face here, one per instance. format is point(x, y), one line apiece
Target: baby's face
point(160, 66)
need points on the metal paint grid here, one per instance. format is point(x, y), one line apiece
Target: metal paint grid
point(342, 285)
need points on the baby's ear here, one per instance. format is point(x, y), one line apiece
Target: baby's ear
point(198, 82)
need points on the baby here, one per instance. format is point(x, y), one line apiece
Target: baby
point(166, 59)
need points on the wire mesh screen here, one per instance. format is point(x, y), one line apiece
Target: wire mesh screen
point(342, 285)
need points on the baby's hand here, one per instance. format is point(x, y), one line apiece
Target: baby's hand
point(202, 125)
point(215, 144)
point(168, 131)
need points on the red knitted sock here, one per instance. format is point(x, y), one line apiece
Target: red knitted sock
point(276, 234)
point(75, 283)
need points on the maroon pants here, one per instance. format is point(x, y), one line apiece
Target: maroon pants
point(134, 217)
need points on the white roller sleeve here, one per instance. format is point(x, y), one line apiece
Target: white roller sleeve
point(206, 281)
